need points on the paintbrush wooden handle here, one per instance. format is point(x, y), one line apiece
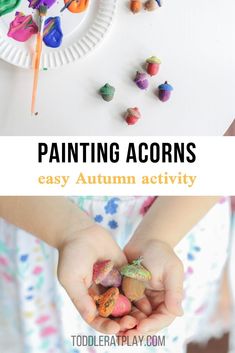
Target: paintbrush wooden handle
point(38, 51)
point(37, 59)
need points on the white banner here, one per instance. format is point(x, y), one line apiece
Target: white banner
point(117, 166)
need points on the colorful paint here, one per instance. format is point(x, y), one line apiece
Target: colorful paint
point(53, 34)
point(22, 27)
point(36, 3)
point(76, 6)
point(7, 6)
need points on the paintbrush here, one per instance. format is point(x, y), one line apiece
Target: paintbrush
point(37, 56)
point(67, 5)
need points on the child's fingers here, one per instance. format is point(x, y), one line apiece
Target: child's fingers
point(105, 325)
point(129, 337)
point(173, 281)
point(127, 322)
point(137, 314)
point(155, 322)
point(144, 305)
point(155, 298)
point(82, 300)
point(118, 257)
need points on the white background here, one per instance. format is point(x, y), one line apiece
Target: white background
point(194, 39)
point(18, 157)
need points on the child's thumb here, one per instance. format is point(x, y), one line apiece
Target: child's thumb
point(173, 284)
point(78, 293)
point(82, 301)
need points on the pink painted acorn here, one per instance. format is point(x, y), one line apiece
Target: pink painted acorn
point(112, 303)
point(153, 65)
point(132, 116)
point(165, 91)
point(141, 80)
point(106, 274)
point(122, 306)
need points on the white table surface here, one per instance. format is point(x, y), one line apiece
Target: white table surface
point(194, 39)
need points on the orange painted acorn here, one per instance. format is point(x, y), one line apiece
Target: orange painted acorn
point(135, 6)
point(77, 6)
point(112, 303)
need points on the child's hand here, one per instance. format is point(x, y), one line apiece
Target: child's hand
point(165, 293)
point(77, 255)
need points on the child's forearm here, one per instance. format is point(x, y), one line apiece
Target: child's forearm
point(170, 218)
point(48, 218)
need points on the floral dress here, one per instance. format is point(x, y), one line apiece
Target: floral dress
point(37, 316)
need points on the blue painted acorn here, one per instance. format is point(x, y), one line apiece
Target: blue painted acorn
point(165, 91)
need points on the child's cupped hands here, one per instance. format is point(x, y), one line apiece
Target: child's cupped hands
point(162, 302)
point(78, 253)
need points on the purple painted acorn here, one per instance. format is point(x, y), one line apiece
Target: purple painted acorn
point(106, 274)
point(141, 80)
point(165, 90)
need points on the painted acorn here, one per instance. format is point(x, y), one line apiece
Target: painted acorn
point(122, 306)
point(132, 116)
point(112, 303)
point(136, 270)
point(153, 65)
point(135, 6)
point(135, 274)
point(133, 288)
point(141, 80)
point(106, 274)
point(107, 92)
point(151, 5)
point(164, 92)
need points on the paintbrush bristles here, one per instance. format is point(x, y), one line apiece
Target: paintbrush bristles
point(42, 10)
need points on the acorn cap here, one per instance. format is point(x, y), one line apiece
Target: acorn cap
point(136, 270)
point(153, 60)
point(140, 76)
point(106, 301)
point(166, 87)
point(107, 90)
point(133, 112)
point(101, 270)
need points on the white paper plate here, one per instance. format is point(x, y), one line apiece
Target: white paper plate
point(82, 33)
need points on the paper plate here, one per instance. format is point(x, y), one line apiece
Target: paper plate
point(82, 33)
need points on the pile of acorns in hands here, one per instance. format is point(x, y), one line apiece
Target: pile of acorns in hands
point(124, 286)
point(149, 5)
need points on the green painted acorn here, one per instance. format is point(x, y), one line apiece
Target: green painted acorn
point(134, 277)
point(107, 92)
point(136, 270)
